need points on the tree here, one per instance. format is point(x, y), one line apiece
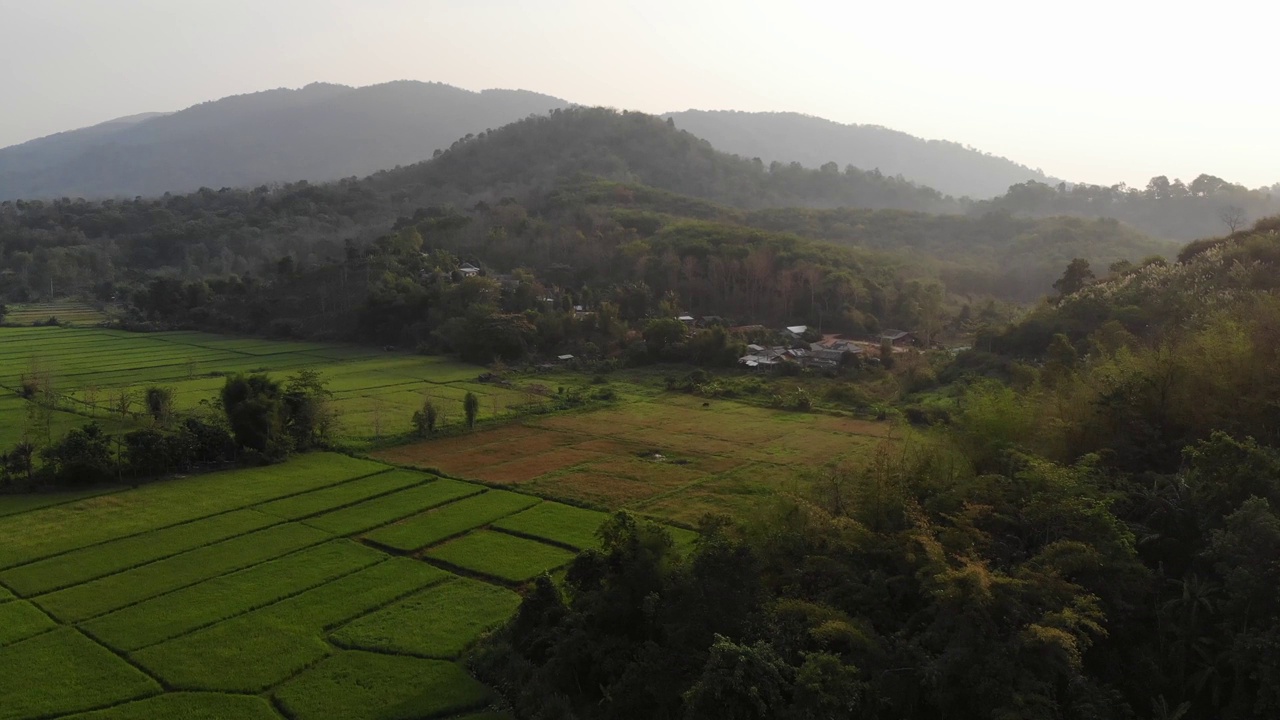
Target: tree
point(309, 416)
point(662, 333)
point(159, 402)
point(740, 682)
point(424, 420)
point(17, 463)
point(1233, 216)
point(1074, 278)
point(82, 457)
point(471, 406)
point(255, 411)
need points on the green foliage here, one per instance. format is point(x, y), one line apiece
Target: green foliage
point(471, 407)
point(159, 404)
point(424, 420)
point(740, 683)
point(255, 411)
point(82, 457)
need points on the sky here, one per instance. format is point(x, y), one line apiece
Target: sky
point(1089, 91)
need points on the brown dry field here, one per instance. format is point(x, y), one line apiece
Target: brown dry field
point(727, 458)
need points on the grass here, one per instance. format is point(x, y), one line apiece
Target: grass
point(375, 392)
point(500, 555)
point(389, 508)
point(63, 672)
point(113, 592)
point(724, 458)
point(431, 527)
point(190, 608)
point(558, 523)
point(66, 312)
point(14, 504)
point(188, 706)
point(96, 561)
point(367, 686)
point(282, 638)
point(70, 526)
point(21, 620)
point(437, 622)
point(348, 493)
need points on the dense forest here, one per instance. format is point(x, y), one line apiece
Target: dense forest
point(555, 206)
point(1093, 532)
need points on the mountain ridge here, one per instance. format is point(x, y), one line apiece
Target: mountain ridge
point(326, 131)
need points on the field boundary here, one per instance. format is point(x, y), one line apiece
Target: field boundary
point(175, 525)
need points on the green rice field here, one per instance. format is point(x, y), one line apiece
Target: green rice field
point(64, 311)
point(94, 372)
point(325, 587)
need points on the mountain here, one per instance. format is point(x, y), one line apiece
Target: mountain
point(539, 152)
point(952, 168)
point(319, 132)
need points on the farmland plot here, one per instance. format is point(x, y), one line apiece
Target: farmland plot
point(664, 455)
point(247, 592)
point(375, 393)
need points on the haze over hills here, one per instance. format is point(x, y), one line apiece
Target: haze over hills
point(317, 133)
point(950, 167)
point(324, 132)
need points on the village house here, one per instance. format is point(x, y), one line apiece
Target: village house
point(469, 270)
point(796, 331)
point(898, 338)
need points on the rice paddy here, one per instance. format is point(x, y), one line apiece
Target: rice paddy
point(332, 586)
point(324, 587)
point(88, 373)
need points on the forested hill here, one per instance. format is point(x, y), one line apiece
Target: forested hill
point(1210, 286)
point(317, 133)
point(950, 167)
point(538, 152)
point(1173, 209)
point(1020, 256)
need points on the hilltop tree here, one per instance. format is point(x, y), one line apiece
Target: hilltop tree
point(1234, 217)
point(1074, 278)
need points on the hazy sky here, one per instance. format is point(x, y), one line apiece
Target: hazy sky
point(1093, 91)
